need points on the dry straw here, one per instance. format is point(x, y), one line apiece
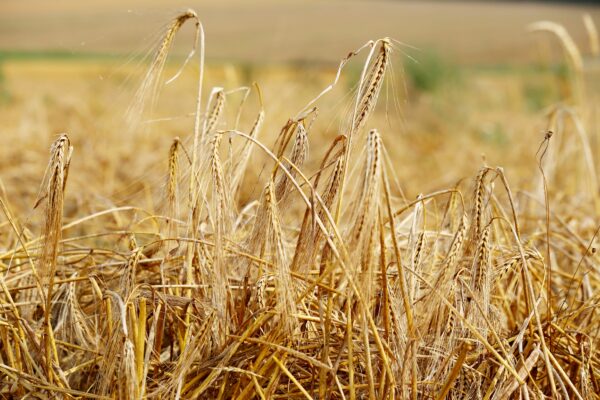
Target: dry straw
point(328, 285)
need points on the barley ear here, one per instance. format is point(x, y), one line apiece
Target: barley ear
point(56, 173)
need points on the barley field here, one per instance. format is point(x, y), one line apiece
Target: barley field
point(299, 200)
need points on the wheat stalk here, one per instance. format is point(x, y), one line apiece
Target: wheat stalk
point(53, 192)
point(219, 275)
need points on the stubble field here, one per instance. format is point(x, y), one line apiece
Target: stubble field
point(259, 223)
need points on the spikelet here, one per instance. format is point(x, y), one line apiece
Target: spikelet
point(56, 175)
point(261, 289)
point(128, 277)
point(446, 281)
point(310, 238)
point(418, 251)
point(213, 116)
point(460, 303)
point(298, 155)
point(286, 304)
point(148, 90)
point(479, 206)
point(510, 263)
point(366, 206)
point(222, 196)
point(255, 241)
point(334, 183)
point(71, 324)
point(241, 160)
point(417, 257)
point(267, 237)
point(415, 243)
point(119, 352)
point(218, 277)
point(173, 188)
point(367, 279)
point(481, 265)
point(399, 333)
point(457, 243)
point(481, 282)
point(371, 86)
point(450, 320)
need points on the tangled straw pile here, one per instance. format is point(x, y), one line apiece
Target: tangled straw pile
point(328, 286)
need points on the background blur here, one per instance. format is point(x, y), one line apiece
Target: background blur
point(487, 32)
point(469, 83)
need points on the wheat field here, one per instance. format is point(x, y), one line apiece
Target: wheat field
point(325, 235)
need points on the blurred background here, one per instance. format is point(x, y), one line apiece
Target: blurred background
point(470, 82)
point(489, 32)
